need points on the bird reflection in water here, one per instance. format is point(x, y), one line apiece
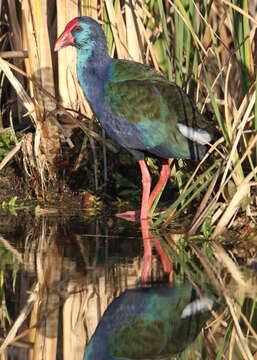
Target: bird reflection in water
point(149, 323)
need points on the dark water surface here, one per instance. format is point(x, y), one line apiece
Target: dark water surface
point(60, 271)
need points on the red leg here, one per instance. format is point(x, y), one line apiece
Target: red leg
point(146, 182)
point(147, 261)
point(147, 197)
point(166, 264)
point(164, 176)
point(148, 237)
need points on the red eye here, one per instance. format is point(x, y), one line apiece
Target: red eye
point(78, 28)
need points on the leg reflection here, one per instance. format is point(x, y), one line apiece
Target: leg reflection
point(148, 239)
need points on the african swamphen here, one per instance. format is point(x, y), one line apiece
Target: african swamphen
point(149, 323)
point(138, 108)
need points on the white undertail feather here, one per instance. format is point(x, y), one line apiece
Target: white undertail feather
point(197, 306)
point(198, 135)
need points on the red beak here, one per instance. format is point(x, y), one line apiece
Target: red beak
point(65, 39)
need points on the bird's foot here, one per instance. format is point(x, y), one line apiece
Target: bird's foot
point(133, 216)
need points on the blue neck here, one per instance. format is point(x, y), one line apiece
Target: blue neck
point(92, 70)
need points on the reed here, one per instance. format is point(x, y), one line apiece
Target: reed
point(205, 47)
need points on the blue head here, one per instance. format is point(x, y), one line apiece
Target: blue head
point(85, 34)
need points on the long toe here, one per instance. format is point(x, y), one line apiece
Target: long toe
point(133, 216)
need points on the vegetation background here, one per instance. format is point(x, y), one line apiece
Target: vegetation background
point(207, 47)
point(53, 150)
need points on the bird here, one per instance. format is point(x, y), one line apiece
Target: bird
point(150, 323)
point(137, 107)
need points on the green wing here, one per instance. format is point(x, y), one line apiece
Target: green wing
point(139, 340)
point(150, 335)
point(152, 106)
point(123, 70)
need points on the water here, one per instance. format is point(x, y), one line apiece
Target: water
point(60, 271)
